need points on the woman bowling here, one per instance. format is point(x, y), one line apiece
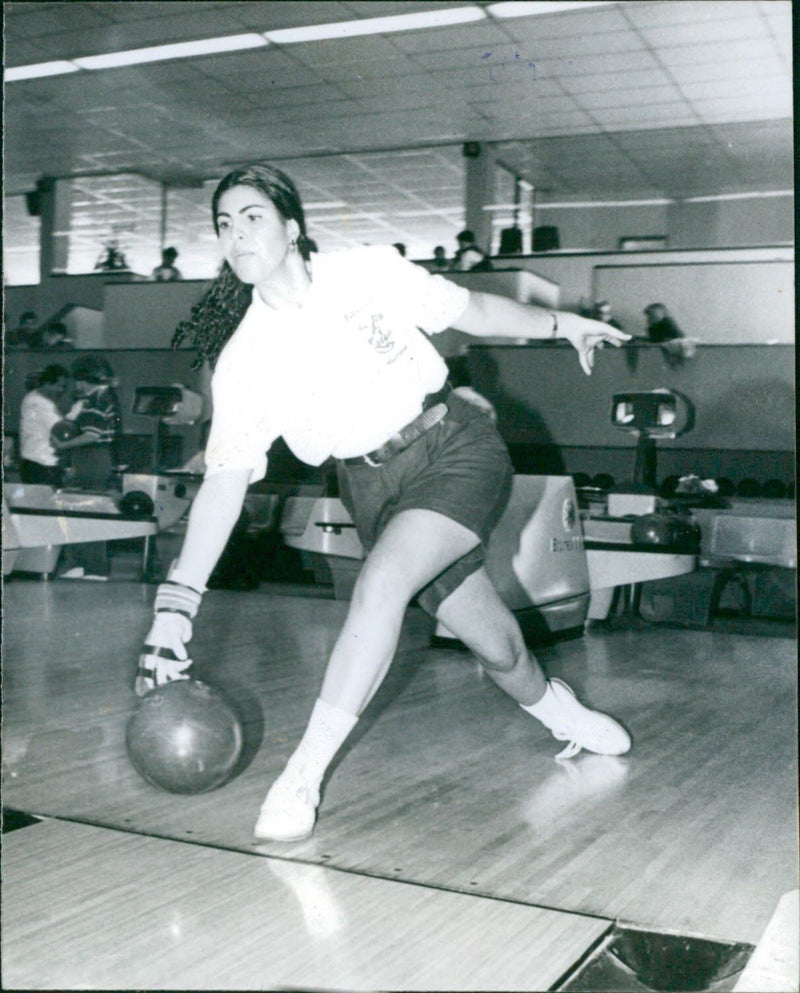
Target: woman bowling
point(331, 352)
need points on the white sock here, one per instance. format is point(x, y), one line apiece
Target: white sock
point(328, 727)
point(545, 706)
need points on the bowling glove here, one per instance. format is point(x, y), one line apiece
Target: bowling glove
point(164, 657)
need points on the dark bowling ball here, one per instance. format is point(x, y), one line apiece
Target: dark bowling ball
point(603, 481)
point(136, 504)
point(64, 430)
point(184, 737)
point(661, 529)
point(774, 489)
point(725, 487)
point(669, 486)
point(748, 488)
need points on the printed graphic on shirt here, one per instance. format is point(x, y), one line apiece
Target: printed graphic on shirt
point(377, 332)
point(380, 337)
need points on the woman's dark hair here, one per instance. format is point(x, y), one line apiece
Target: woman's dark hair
point(49, 375)
point(92, 369)
point(218, 313)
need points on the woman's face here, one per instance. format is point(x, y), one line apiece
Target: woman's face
point(254, 237)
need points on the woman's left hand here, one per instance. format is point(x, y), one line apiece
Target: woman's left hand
point(585, 335)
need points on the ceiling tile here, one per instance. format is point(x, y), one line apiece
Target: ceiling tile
point(693, 97)
point(614, 79)
point(641, 99)
point(734, 29)
point(763, 48)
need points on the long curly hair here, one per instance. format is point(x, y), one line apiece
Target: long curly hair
point(220, 310)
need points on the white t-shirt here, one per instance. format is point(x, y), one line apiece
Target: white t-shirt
point(338, 375)
point(37, 416)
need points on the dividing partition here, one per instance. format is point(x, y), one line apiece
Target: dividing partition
point(557, 419)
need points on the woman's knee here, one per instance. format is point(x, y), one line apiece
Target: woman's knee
point(504, 654)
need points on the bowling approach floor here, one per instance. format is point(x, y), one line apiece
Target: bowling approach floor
point(452, 851)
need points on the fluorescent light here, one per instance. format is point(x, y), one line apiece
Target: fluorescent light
point(377, 25)
point(756, 195)
point(569, 204)
point(181, 50)
point(529, 8)
point(38, 70)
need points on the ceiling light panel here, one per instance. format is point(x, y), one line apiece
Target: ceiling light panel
point(38, 70)
point(376, 25)
point(180, 50)
point(531, 8)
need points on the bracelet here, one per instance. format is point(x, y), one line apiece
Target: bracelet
point(554, 332)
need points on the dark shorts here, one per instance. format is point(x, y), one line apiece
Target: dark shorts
point(459, 468)
point(36, 473)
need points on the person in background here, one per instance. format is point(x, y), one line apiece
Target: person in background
point(464, 239)
point(401, 248)
point(602, 312)
point(663, 330)
point(55, 337)
point(166, 272)
point(440, 257)
point(42, 408)
point(99, 421)
point(660, 325)
point(94, 455)
point(471, 258)
point(25, 333)
point(332, 353)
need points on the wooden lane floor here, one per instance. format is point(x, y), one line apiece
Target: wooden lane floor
point(91, 908)
point(446, 782)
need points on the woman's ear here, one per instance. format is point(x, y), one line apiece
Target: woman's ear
point(292, 229)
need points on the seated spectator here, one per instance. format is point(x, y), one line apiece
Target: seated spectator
point(24, 334)
point(602, 312)
point(664, 331)
point(55, 337)
point(660, 325)
point(440, 257)
point(166, 272)
point(401, 248)
point(464, 238)
point(471, 258)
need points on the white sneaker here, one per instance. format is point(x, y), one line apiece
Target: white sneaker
point(289, 810)
point(77, 572)
point(568, 720)
point(96, 579)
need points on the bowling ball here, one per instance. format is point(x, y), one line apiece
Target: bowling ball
point(748, 488)
point(184, 737)
point(603, 481)
point(136, 504)
point(774, 489)
point(725, 487)
point(669, 486)
point(64, 431)
point(664, 529)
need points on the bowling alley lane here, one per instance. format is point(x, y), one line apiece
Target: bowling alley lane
point(445, 782)
point(155, 914)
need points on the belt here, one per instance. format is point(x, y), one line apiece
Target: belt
point(434, 409)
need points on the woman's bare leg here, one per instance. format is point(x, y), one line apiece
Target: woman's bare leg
point(477, 616)
point(414, 548)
